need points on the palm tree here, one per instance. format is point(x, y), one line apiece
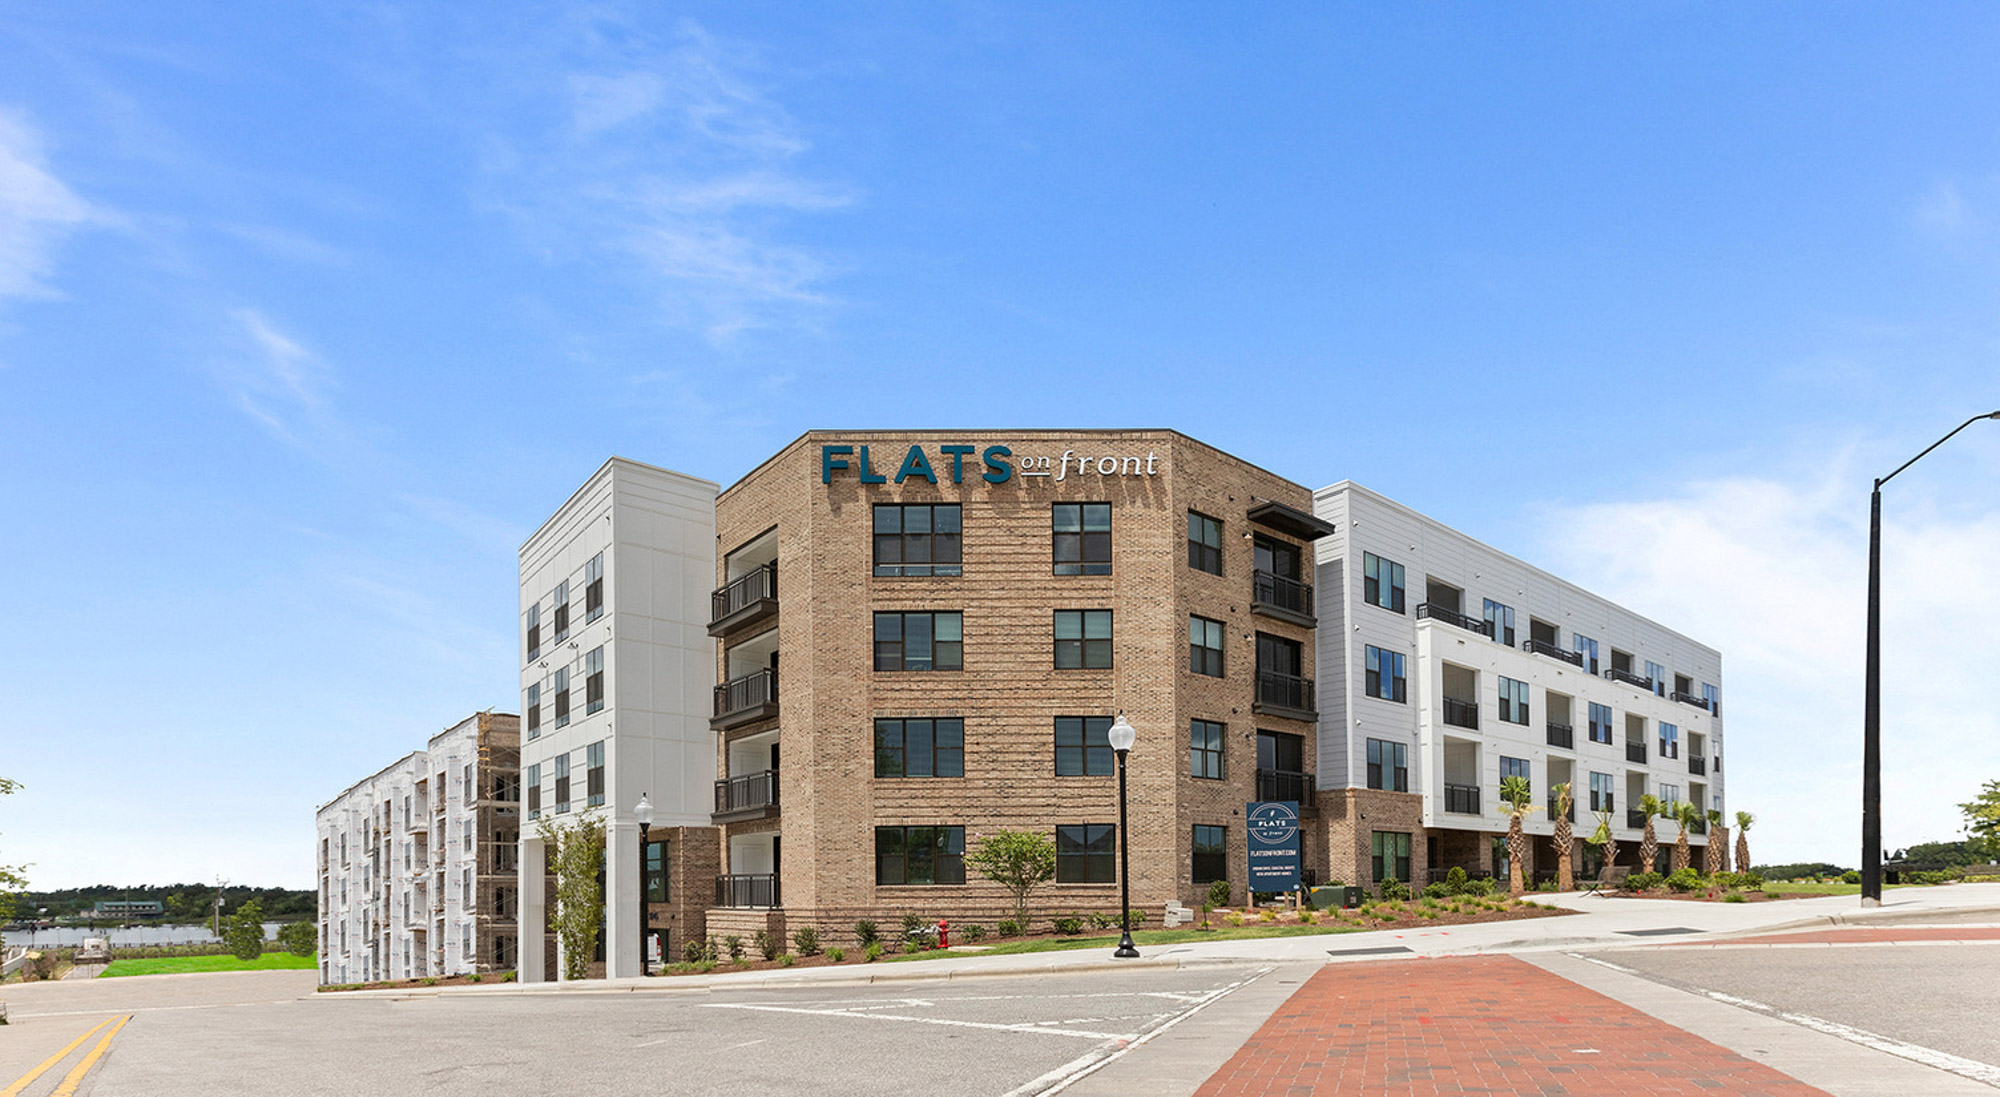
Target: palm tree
point(1517, 799)
point(1743, 821)
point(1652, 807)
point(1685, 813)
point(1715, 856)
point(1565, 839)
point(1607, 850)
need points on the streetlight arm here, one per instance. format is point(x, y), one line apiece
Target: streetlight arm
point(1932, 446)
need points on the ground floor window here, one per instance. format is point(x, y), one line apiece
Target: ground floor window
point(1211, 854)
point(1501, 864)
point(919, 855)
point(1086, 854)
point(656, 871)
point(1391, 858)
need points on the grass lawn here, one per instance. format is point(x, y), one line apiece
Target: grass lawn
point(1786, 887)
point(1143, 938)
point(177, 965)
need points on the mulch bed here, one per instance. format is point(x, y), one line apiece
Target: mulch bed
point(1706, 895)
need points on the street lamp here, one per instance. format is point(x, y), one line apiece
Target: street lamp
point(1121, 737)
point(1871, 732)
point(643, 813)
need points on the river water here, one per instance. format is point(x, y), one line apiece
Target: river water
point(69, 936)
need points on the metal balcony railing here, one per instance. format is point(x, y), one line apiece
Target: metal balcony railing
point(1635, 752)
point(1461, 799)
point(746, 792)
point(1630, 678)
point(1286, 691)
point(750, 890)
point(1272, 591)
point(1453, 617)
point(1543, 647)
point(1689, 699)
point(743, 592)
point(1283, 784)
point(1697, 765)
point(1562, 735)
point(1606, 803)
point(757, 688)
point(1635, 818)
point(1461, 714)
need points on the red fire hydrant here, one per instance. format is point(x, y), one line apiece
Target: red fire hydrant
point(944, 933)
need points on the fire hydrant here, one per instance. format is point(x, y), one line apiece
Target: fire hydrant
point(944, 933)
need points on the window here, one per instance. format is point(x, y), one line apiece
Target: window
point(1211, 854)
point(1082, 538)
point(1388, 765)
point(923, 747)
point(1657, 674)
point(562, 611)
point(1083, 638)
point(1513, 701)
point(471, 786)
point(535, 710)
point(1516, 767)
point(593, 680)
point(535, 631)
point(1601, 796)
point(1600, 723)
point(656, 872)
point(917, 539)
point(1500, 622)
point(1274, 557)
point(562, 697)
point(1385, 674)
point(919, 641)
point(534, 784)
point(1586, 647)
point(1204, 543)
point(1670, 793)
point(1670, 740)
point(562, 782)
point(1391, 858)
point(919, 855)
point(593, 589)
point(1205, 646)
point(593, 774)
point(1205, 738)
point(1382, 582)
point(1083, 746)
point(1713, 696)
point(1086, 854)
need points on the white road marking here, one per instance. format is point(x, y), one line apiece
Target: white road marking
point(1930, 1057)
point(949, 1022)
point(1062, 1077)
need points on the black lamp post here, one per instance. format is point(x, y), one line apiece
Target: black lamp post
point(643, 812)
point(1871, 732)
point(1121, 737)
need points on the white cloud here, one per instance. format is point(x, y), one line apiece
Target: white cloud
point(36, 210)
point(1774, 574)
point(275, 381)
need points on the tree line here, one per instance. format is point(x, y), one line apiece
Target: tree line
point(183, 903)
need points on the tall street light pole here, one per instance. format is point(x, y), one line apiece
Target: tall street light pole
point(1871, 731)
point(1121, 737)
point(643, 814)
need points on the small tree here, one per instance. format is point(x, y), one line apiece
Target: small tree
point(1016, 860)
point(1607, 850)
point(243, 931)
point(12, 877)
point(576, 852)
point(1982, 820)
point(1652, 807)
point(1685, 813)
point(1715, 856)
point(1565, 840)
point(1517, 799)
point(1743, 821)
point(299, 938)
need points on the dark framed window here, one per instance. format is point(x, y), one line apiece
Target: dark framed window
point(533, 783)
point(562, 611)
point(1657, 676)
point(1205, 646)
point(919, 855)
point(1586, 647)
point(1083, 638)
point(1388, 765)
point(918, 539)
point(562, 782)
point(1601, 792)
point(1204, 543)
point(593, 774)
point(1087, 854)
point(593, 680)
point(535, 710)
point(1600, 723)
point(1211, 854)
point(535, 631)
point(1082, 538)
point(1670, 740)
point(562, 697)
point(1205, 740)
point(1500, 622)
point(1513, 700)
point(1386, 678)
point(593, 589)
point(656, 872)
point(920, 747)
point(919, 641)
point(1516, 767)
point(1083, 746)
point(1275, 557)
point(1390, 858)
point(1382, 582)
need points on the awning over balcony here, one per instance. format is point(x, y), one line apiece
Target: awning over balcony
point(1290, 521)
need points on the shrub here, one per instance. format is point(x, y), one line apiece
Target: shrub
point(1686, 879)
point(1479, 888)
point(1306, 916)
point(911, 924)
point(768, 944)
point(298, 938)
point(975, 933)
point(1850, 877)
point(1268, 915)
point(836, 954)
point(1643, 881)
point(1008, 927)
point(243, 931)
point(865, 932)
point(1439, 890)
point(1733, 897)
point(786, 959)
point(734, 944)
point(1394, 889)
point(475, 977)
point(697, 952)
point(1929, 877)
point(1101, 920)
point(1218, 893)
point(871, 952)
point(1235, 919)
point(1455, 880)
point(430, 980)
point(1069, 925)
point(806, 938)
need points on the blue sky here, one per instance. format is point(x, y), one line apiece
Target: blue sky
point(309, 314)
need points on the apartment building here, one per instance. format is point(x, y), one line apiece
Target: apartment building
point(416, 861)
point(1447, 665)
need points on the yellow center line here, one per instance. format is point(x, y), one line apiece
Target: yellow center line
point(25, 1079)
point(75, 1076)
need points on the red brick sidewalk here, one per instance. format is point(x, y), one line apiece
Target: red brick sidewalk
point(1487, 1025)
point(1865, 935)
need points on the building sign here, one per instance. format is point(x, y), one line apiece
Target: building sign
point(993, 464)
point(1273, 826)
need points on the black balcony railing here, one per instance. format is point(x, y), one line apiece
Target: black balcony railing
point(1543, 647)
point(1461, 714)
point(759, 890)
point(753, 690)
point(1635, 818)
point(743, 592)
point(747, 792)
point(1562, 735)
point(1453, 617)
point(1461, 799)
point(1285, 691)
point(1689, 699)
point(1635, 752)
point(1630, 678)
point(1699, 826)
point(1569, 815)
point(1697, 765)
point(1281, 784)
point(1288, 596)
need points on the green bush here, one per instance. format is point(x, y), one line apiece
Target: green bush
point(1438, 890)
point(1734, 897)
point(1850, 877)
point(1455, 880)
point(1393, 889)
point(836, 954)
point(866, 933)
point(1101, 920)
point(1643, 881)
point(871, 952)
point(785, 959)
point(698, 952)
point(1480, 888)
point(806, 938)
point(1218, 893)
point(768, 944)
point(243, 931)
point(1938, 877)
point(975, 933)
point(1008, 927)
point(1686, 879)
point(734, 944)
point(911, 924)
point(298, 938)
point(1069, 925)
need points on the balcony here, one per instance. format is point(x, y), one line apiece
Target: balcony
point(1690, 699)
point(1286, 695)
point(1630, 678)
point(745, 700)
point(747, 891)
point(1427, 611)
point(1562, 735)
point(1461, 799)
point(1699, 826)
point(1569, 815)
point(747, 600)
point(1543, 647)
point(1461, 714)
point(1697, 765)
point(1635, 818)
point(1282, 598)
point(1635, 751)
point(750, 796)
point(1281, 784)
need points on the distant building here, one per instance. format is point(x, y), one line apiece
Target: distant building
point(417, 861)
point(128, 908)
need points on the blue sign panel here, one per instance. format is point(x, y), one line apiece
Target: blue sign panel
point(1273, 826)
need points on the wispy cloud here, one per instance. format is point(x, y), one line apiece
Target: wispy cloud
point(275, 381)
point(36, 210)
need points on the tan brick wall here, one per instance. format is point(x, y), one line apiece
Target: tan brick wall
point(1353, 815)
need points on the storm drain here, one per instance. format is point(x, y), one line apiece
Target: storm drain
point(1389, 951)
point(1667, 932)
